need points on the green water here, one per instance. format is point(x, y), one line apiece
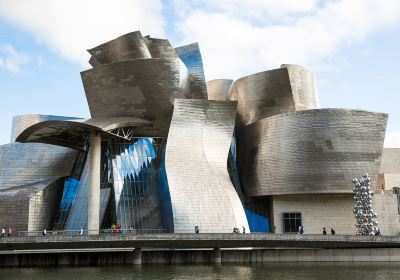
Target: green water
point(281, 271)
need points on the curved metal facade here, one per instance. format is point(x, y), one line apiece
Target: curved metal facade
point(218, 89)
point(72, 132)
point(22, 122)
point(25, 163)
point(144, 88)
point(191, 56)
point(303, 87)
point(312, 151)
point(273, 92)
point(196, 163)
point(30, 207)
point(125, 47)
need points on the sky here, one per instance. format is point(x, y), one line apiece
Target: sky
point(352, 47)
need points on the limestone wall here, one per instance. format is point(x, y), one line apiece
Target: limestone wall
point(317, 211)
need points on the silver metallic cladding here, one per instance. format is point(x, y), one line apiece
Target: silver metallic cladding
point(30, 207)
point(25, 163)
point(144, 88)
point(273, 92)
point(196, 163)
point(128, 46)
point(22, 122)
point(303, 86)
point(312, 151)
point(218, 89)
point(191, 57)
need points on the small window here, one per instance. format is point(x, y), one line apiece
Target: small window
point(291, 222)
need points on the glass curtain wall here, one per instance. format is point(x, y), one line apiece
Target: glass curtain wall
point(134, 171)
point(134, 192)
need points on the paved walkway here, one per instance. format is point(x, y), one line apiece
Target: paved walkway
point(190, 241)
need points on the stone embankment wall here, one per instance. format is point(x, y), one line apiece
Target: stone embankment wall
point(200, 256)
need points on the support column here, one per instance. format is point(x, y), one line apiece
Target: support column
point(137, 256)
point(216, 256)
point(94, 184)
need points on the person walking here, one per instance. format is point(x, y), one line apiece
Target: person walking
point(244, 229)
point(9, 232)
point(333, 232)
point(3, 232)
point(323, 231)
point(302, 230)
point(44, 232)
point(196, 229)
point(81, 231)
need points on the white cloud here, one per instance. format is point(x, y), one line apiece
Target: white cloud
point(71, 27)
point(260, 10)
point(11, 59)
point(233, 47)
point(392, 140)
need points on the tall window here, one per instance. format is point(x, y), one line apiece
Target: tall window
point(291, 222)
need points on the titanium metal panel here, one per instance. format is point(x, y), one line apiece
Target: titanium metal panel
point(191, 56)
point(311, 151)
point(72, 133)
point(144, 88)
point(218, 89)
point(160, 48)
point(273, 92)
point(304, 87)
point(129, 46)
point(25, 163)
point(30, 207)
point(196, 164)
point(22, 122)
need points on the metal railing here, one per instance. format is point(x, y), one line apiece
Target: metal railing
point(90, 232)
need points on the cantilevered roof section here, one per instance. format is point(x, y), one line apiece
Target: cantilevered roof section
point(74, 133)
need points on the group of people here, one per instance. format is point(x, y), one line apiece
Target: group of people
point(3, 232)
point(301, 230)
point(237, 230)
point(333, 232)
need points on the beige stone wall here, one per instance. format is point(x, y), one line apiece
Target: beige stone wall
point(385, 204)
point(317, 211)
point(329, 210)
point(391, 181)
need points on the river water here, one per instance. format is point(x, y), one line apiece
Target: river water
point(281, 271)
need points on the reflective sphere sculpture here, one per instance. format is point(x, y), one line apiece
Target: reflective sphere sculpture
point(363, 206)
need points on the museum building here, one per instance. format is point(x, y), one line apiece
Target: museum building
point(165, 151)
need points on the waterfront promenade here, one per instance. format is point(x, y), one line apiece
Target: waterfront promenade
point(193, 241)
point(112, 249)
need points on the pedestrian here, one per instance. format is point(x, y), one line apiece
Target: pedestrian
point(323, 231)
point(299, 232)
point(333, 232)
point(44, 232)
point(377, 232)
point(244, 229)
point(81, 231)
point(9, 232)
point(3, 232)
point(196, 229)
point(302, 230)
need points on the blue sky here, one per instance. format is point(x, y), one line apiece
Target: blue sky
point(352, 46)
